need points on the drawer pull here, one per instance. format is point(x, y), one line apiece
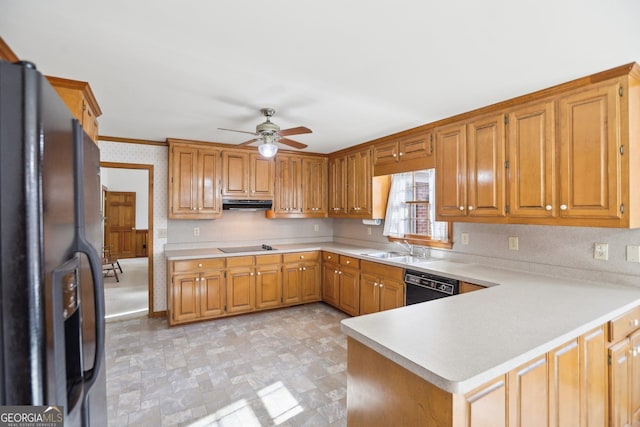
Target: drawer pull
point(634, 322)
point(199, 265)
point(548, 207)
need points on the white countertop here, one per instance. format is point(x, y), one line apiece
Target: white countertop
point(461, 342)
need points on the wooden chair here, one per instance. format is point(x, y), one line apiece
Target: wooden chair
point(110, 263)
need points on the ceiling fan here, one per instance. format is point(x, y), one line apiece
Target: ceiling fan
point(270, 135)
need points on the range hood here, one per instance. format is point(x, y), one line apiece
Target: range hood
point(246, 205)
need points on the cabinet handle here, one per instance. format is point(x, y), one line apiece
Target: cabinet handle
point(375, 284)
point(393, 155)
point(193, 209)
point(461, 208)
point(299, 268)
point(301, 256)
point(339, 272)
point(563, 207)
point(304, 268)
point(335, 271)
point(470, 208)
point(348, 262)
point(381, 285)
point(634, 322)
point(548, 207)
point(199, 265)
point(401, 154)
point(258, 273)
point(329, 257)
point(251, 274)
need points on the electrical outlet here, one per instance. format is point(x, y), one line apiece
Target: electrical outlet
point(465, 238)
point(601, 251)
point(369, 231)
point(633, 253)
point(316, 227)
point(196, 231)
point(162, 233)
point(513, 243)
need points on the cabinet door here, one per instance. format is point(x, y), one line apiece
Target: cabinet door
point(528, 394)
point(185, 288)
point(391, 294)
point(211, 294)
point(207, 181)
point(349, 290)
point(359, 176)
point(268, 286)
point(261, 174)
point(619, 384)
point(287, 199)
point(369, 294)
point(589, 153)
point(532, 161)
point(417, 147)
point(235, 174)
point(183, 184)
point(291, 284)
point(314, 187)
point(240, 289)
point(593, 356)
point(451, 176)
point(310, 279)
point(330, 284)
point(337, 186)
point(486, 406)
point(634, 378)
point(486, 167)
point(564, 385)
point(385, 153)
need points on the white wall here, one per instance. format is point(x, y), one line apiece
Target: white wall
point(156, 156)
point(130, 180)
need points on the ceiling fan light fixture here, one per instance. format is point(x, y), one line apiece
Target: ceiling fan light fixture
point(268, 149)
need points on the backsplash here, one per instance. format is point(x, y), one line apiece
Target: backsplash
point(566, 251)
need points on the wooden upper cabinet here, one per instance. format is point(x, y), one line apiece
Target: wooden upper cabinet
point(314, 187)
point(337, 186)
point(486, 167)
point(405, 154)
point(451, 171)
point(79, 98)
point(246, 175)
point(194, 182)
point(359, 175)
point(532, 161)
point(590, 170)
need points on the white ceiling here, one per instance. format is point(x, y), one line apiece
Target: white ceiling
point(351, 70)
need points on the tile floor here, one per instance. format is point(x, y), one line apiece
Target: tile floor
point(281, 367)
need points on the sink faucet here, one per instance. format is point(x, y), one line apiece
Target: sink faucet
point(406, 245)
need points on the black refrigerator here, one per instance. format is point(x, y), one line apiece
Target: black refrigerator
point(52, 325)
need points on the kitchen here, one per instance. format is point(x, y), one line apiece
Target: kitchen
point(558, 250)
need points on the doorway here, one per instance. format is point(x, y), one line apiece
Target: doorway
point(135, 245)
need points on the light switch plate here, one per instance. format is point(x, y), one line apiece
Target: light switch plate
point(513, 243)
point(465, 238)
point(633, 253)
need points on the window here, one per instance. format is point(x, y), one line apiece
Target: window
point(411, 213)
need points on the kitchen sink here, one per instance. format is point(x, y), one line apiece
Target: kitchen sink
point(408, 259)
point(384, 255)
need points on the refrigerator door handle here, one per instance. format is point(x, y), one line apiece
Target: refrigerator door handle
point(82, 245)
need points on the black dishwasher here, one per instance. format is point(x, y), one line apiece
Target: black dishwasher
point(423, 287)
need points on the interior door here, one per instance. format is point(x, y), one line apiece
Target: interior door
point(120, 223)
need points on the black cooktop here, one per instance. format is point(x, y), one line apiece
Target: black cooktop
point(236, 249)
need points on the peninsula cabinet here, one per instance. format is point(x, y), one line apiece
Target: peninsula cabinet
point(194, 177)
point(404, 154)
point(564, 387)
point(573, 156)
point(470, 287)
point(381, 287)
point(624, 370)
point(246, 175)
point(197, 290)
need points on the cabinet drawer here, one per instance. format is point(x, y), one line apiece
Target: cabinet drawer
point(350, 261)
point(330, 257)
point(268, 259)
point(240, 261)
point(382, 271)
point(311, 256)
point(194, 265)
point(624, 325)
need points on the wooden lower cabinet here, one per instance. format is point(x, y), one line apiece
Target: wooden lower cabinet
point(302, 277)
point(624, 382)
point(564, 387)
point(381, 287)
point(241, 284)
point(268, 281)
point(349, 285)
point(330, 279)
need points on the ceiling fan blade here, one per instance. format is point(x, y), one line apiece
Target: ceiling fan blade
point(249, 141)
point(292, 143)
point(241, 131)
point(294, 131)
